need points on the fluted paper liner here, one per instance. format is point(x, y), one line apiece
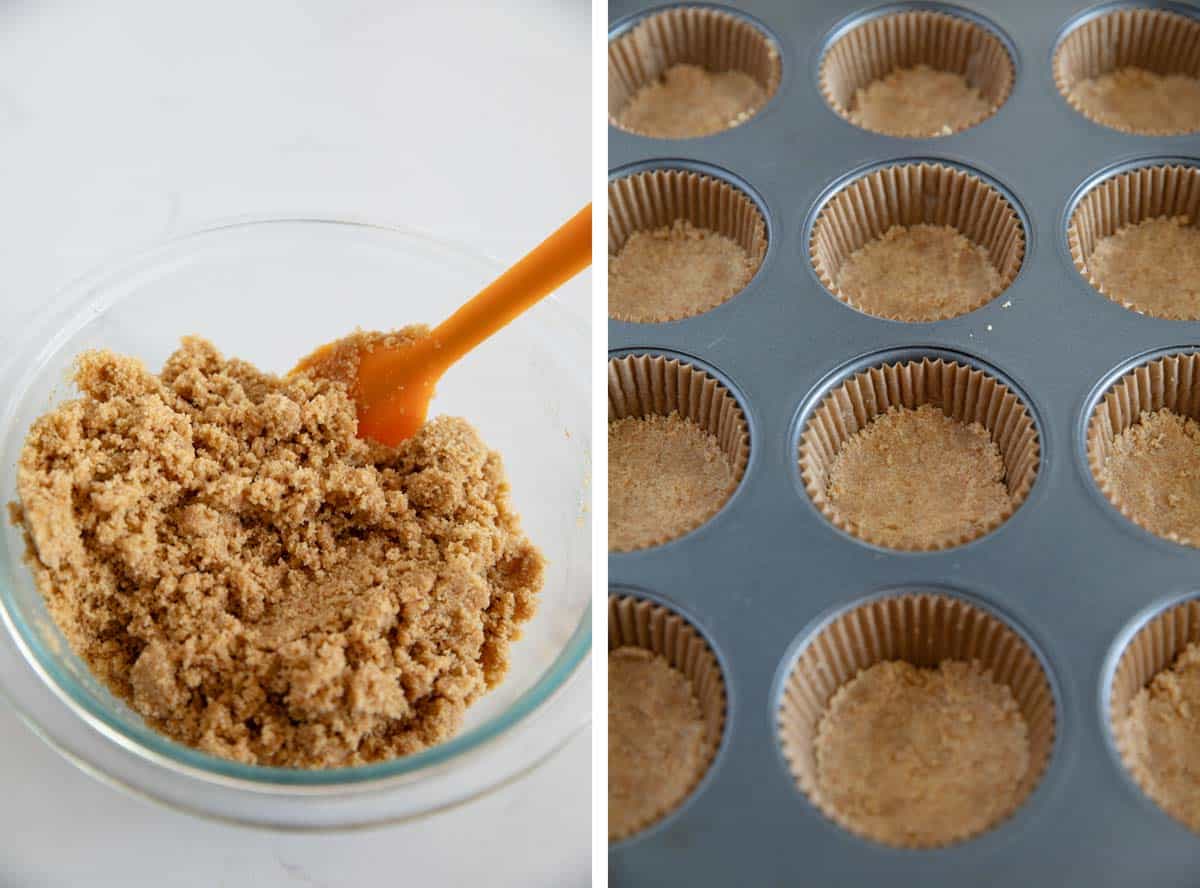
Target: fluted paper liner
point(658, 198)
point(634, 622)
point(944, 42)
point(642, 385)
point(1155, 40)
point(923, 629)
point(915, 194)
point(1152, 649)
point(962, 392)
point(1172, 382)
point(1128, 198)
point(709, 38)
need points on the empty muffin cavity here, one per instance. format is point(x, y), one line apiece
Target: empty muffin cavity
point(917, 242)
point(680, 243)
point(689, 71)
point(1135, 237)
point(650, 639)
point(886, 419)
point(917, 73)
point(1136, 70)
point(889, 636)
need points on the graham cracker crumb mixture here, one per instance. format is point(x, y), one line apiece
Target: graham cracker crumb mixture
point(1152, 267)
point(259, 583)
point(676, 271)
point(1141, 101)
point(918, 479)
point(656, 739)
point(1164, 737)
point(921, 757)
point(666, 476)
point(690, 101)
point(918, 102)
point(1153, 472)
point(919, 273)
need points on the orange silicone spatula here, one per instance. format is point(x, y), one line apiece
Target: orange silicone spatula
point(394, 384)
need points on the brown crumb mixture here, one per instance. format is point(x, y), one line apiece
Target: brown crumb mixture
point(1152, 267)
point(918, 102)
point(674, 272)
point(918, 479)
point(1164, 737)
point(921, 757)
point(690, 101)
point(228, 557)
point(1141, 101)
point(920, 273)
point(1153, 472)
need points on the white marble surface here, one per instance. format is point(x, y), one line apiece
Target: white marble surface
point(126, 122)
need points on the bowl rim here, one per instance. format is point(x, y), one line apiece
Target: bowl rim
point(71, 303)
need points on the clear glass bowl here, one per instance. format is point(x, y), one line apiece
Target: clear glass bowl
point(269, 291)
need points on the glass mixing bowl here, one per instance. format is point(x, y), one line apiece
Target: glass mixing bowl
point(269, 291)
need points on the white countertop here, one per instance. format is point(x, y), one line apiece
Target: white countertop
point(127, 122)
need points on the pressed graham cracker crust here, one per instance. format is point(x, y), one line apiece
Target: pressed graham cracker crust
point(917, 102)
point(689, 101)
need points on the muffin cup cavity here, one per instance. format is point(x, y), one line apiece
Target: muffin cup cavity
point(1171, 382)
point(921, 628)
point(656, 199)
point(1156, 40)
point(942, 40)
point(637, 622)
point(916, 193)
point(646, 384)
point(709, 38)
point(1112, 202)
point(963, 392)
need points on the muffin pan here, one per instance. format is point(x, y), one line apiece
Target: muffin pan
point(1068, 575)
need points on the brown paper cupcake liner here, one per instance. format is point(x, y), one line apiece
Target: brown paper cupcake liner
point(944, 42)
point(1155, 40)
point(642, 385)
point(914, 194)
point(658, 198)
point(709, 38)
point(923, 629)
point(962, 392)
point(1149, 192)
point(1152, 649)
point(634, 622)
point(1171, 382)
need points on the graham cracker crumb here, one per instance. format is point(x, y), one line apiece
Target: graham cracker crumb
point(918, 479)
point(918, 102)
point(257, 582)
point(921, 757)
point(1152, 267)
point(666, 476)
point(676, 271)
point(690, 101)
point(1153, 473)
point(1141, 101)
point(919, 273)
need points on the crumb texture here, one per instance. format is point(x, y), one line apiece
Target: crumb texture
point(690, 101)
point(228, 557)
point(656, 740)
point(1152, 267)
point(1153, 474)
point(1162, 730)
point(919, 273)
point(1141, 101)
point(918, 479)
point(675, 272)
point(921, 757)
point(918, 102)
point(666, 476)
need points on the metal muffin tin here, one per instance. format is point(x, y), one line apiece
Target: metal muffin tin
point(1067, 570)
